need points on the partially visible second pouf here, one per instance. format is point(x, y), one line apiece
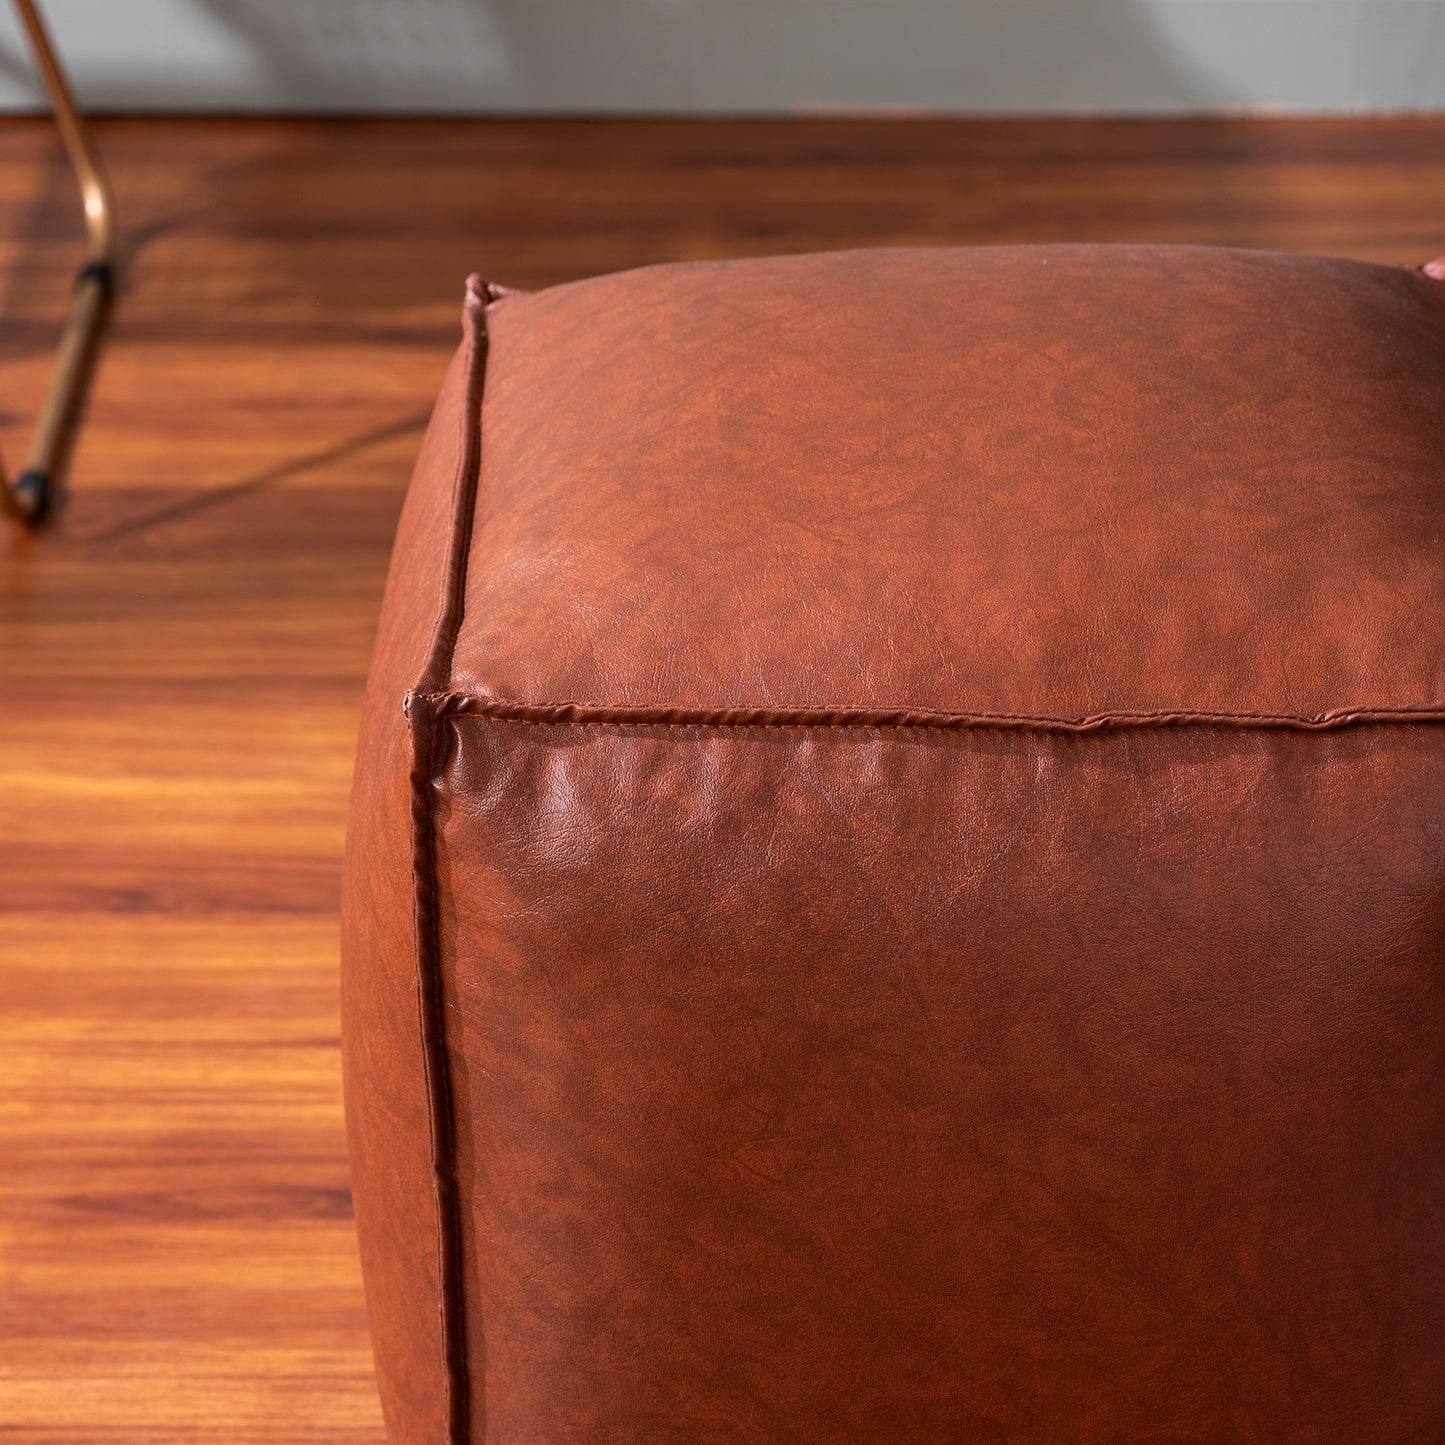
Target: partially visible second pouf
point(895, 882)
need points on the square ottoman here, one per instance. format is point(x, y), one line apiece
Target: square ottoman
point(896, 884)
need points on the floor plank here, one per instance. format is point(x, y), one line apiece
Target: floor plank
point(181, 656)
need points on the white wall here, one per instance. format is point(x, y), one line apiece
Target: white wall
point(741, 55)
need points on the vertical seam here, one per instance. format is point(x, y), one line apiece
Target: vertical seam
point(437, 673)
point(427, 734)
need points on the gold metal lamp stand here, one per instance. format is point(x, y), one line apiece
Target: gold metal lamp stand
point(29, 495)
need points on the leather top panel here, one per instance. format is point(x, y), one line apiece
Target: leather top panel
point(1038, 482)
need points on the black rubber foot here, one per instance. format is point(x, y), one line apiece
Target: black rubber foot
point(32, 492)
point(99, 271)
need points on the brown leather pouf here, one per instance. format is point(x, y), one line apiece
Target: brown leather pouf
point(897, 875)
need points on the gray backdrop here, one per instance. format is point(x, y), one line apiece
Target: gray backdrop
point(742, 55)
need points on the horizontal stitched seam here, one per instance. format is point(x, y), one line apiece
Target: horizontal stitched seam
point(597, 715)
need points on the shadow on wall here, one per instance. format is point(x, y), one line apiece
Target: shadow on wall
point(704, 55)
point(360, 55)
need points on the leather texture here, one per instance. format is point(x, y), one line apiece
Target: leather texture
point(906, 902)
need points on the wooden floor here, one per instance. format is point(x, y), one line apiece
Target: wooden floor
point(181, 657)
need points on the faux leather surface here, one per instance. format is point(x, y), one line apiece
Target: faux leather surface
point(1061, 481)
point(908, 904)
point(847, 1084)
point(389, 1129)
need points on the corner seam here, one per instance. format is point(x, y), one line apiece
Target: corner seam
point(423, 719)
point(586, 714)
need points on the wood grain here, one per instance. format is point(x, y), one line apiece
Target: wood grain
point(181, 656)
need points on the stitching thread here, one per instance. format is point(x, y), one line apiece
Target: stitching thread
point(576, 714)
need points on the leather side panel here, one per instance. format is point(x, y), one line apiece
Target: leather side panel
point(388, 1128)
point(917, 1085)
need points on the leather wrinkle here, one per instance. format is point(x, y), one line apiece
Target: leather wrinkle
point(428, 744)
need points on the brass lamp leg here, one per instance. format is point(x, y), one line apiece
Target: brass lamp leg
point(29, 495)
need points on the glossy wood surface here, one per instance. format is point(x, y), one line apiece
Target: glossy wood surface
point(182, 654)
